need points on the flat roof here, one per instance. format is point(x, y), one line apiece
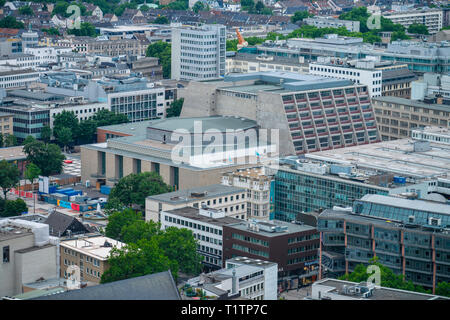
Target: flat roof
point(382, 293)
point(193, 213)
point(396, 156)
point(413, 103)
point(5, 114)
point(10, 231)
point(185, 195)
point(93, 246)
point(12, 153)
point(291, 228)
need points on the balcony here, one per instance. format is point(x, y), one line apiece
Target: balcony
point(318, 125)
point(345, 121)
point(297, 137)
point(290, 110)
point(322, 134)
point(310, 135)
point(331, 114)
point(308, 127)
point(347, 130)
point(354, 111)
point(314, 99)
point(306, 118)
point(316, 107)
point(288, 101)
point(340, 104)
point(292, 119)
point(295, 129)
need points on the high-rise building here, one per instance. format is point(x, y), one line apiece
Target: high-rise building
point(198, 53)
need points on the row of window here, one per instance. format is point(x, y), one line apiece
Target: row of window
point(193, 225)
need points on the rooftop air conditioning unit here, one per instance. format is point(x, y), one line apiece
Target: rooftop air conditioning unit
point(411, 219)
point(434, 221)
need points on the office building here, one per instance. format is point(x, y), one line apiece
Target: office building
point(243, 277)
point(109, 47)
point(292, 246)
point(207, 226)
point(198, 53)
point(330, 22)
point(257, 183)
point(432, 84)
point(229, 199)
point(333, 289)
point(431, 18)
point(381, 77)
point(89, 254)
point(155, 146)
point(311, 113)
point(11, 45)
point(17, 77)
point(396, 117)
point(407, 236)
point(28, 254)
point(46, 55)
point(432, 134)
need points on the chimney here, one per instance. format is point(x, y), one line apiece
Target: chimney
point(234, 282)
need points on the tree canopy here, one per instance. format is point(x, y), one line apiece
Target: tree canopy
point(86, 29)
point(162, 51)
point(46, 156)
point(300, 15)
point(134, 188)
point(11, 208)
point(175, 108)
point(9, 176)
point(418, 29)
point(11, 22)
point(161, 20)
point(119, 220)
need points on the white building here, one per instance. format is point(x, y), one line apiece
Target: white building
point(198, 53)
point(432, 134)
point(16, 77)
point(19, 60)
point(432, 18)
point(28, 254)
point(80, 107)
point(207, 226)
point(46, 55)
point(330, 22)
point(245, 277)
point(256, 182)
point(361, 72)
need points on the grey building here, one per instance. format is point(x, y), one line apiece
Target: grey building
point(330, 22)
point(198, 52)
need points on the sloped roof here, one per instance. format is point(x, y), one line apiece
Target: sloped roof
point(157, 286)
point(60, 222)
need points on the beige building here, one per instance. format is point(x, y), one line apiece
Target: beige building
point(108, 47)
point(256, 181)
point(397, 116)
point(231, 200)
point(6, 123)
point(90, 254)
point(28, 255)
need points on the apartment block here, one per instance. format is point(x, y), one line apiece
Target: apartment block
point(17, 77)
point(257, 183)
point(330, 22)
point(231, 200)
point(198, 53)
point(431, 18)
point(28, 254)
point(112, 48)
point(6, 123)
point(396, 117)
point(207, 226)
point(88, 254)
point(311, 113)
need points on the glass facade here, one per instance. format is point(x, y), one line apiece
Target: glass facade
point(299, 191)
point(137, 107)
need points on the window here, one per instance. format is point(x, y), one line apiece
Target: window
point(6, 254)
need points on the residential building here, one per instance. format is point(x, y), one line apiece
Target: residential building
point(431, 18)
point(155, 146)
point(155, 286)
point(396, 117)
point(243, 277)
point(257, 183)
point(28, 253)
point(292, 246)
point(311, 113)
point(229, 199)
point(46, 55)
point(17, 77)
point(10, 45)
point(381, 77)
point(407, 236)
point(330, 22)
point(198, 53)
point(111, 48)
point(89, 254)
point(6, 123)
point(207, 226)
point(333, 289)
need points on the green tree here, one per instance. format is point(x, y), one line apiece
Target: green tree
point(86, 29)
point(113, 205)
point(144, 8)
point(140, 229)
point(399, 35)
point(26, 10)
point(180, 245)
point(300, 15)
point(388, 278)
point(32, 173)
point(11, 22)
point(64, 137)
point(198, 6)
point(9, 176)
point(105, 117)
point(232, 45)
point(178, 5)
point(46, 134)
point(10, 141)
point(175, 108)
point(137, 259)
point(65, 119)
point(11, 208)
point(51, 31)
point(46, 156)
point(28, 139)
point(443, 289)
point(247, 5)
point(134, 188)
point(87, 131)
point(162, 51)
point(417, 28)
point(161, 20)
point(120, 219)
point(1, 140)
point(120, 9)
